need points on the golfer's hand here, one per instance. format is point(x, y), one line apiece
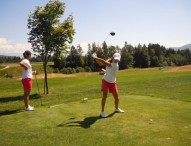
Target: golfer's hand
point(24, 65)
point(94, 55)
point(34, 72)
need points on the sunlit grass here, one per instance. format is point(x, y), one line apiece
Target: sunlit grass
point(156, 103)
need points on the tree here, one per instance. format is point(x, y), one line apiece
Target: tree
point(105, 52)
point(178, 59)
point(75, 58)
point(137, 56)
point(155, 61)
point(145, 58)
point(48, 34)
point(112, 50)
point(89, 61)
point(126, 58)
point(80, 56)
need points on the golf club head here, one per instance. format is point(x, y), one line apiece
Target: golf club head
point(112, 33)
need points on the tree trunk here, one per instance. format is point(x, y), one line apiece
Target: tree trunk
point(45, 78)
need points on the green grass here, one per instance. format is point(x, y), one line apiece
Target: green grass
point(157, 105)
point(157, 83)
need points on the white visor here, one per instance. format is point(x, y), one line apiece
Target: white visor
point(117, 56)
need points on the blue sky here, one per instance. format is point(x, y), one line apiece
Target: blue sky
point(167, 22)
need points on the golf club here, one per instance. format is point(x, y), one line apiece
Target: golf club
point(110, 34)
point(38, 87)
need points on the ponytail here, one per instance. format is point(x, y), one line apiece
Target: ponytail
point(26, 54)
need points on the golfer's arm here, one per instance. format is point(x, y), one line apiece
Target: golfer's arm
point(22, 64)
point(108, 60)
point(102, 61)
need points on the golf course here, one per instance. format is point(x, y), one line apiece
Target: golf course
point(157, 104)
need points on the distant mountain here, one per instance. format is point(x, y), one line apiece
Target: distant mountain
point(188, 46)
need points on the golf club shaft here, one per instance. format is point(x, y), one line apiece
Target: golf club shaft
point(106, 38)
point(37, 84)
point(38, 88)
point(98, 48)
point(102, 43)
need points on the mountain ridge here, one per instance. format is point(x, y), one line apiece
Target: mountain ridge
point(187, 46)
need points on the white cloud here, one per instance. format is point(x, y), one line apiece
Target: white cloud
point(8, 47)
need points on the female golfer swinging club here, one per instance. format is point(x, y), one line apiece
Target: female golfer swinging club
point(109, 80)
point(27, 79)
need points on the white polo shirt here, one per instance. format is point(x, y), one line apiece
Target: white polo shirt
point(111, 73)
point(27, 73)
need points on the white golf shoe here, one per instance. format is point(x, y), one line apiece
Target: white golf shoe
point(118, 110)
point(103, 115)
point(30, 108)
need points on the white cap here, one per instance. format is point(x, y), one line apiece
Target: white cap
point(117, 56)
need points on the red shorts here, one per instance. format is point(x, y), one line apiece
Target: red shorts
point(112, 87)
point(27, 83)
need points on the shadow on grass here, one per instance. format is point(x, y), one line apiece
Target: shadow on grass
point(86, 123)
point(15, 98)
point(9, 112)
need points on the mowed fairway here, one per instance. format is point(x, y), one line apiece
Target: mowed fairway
point(157, 106)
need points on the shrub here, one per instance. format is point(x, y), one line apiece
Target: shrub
point(56, 70)
point(68, 70)
point(80, 69)
point(87, 69)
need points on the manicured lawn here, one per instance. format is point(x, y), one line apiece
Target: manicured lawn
point(157, 105)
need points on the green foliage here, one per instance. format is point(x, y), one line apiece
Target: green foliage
point(141, 56)
point(75, 57)
point(48, 34)
point(87, 69)
point(56, 70)
point(68, 70)
point(9, 59)
point(155, 61)
point(126, 59)
point(80, 69)
point(152, 56)
point(178, 59)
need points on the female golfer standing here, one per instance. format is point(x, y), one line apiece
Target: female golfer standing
point(109, 80)
point(27, 78)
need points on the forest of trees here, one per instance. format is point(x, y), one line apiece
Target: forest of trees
point(141, 56)
point(9, 59)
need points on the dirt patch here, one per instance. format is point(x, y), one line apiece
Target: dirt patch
point(54, 75)
point(180, 68)
point(57, 75)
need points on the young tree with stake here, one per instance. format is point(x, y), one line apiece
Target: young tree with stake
point(48, 35)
